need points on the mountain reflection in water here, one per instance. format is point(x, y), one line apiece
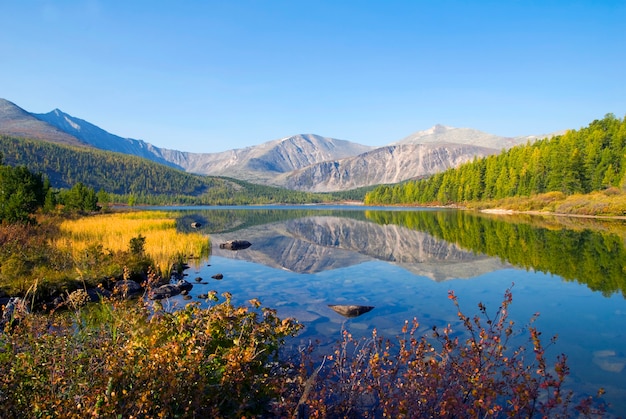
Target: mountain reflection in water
point(313, 244)
point(440, 245)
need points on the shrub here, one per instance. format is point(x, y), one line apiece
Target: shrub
point(130, 360)
point(444, 376)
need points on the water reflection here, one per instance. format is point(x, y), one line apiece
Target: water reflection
point(440, 245)
point(312, 242)
point(588, 251)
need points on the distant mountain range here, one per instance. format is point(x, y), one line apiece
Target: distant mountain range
point(305, 162)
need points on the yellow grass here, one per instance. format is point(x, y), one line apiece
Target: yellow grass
point(114, 231)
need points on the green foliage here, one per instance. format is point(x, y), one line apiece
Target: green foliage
point(590, 159)
point(79, 198)
point(130, 360)
point(137, 245)
point(21, 194)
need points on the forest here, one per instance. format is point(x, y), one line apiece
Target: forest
point(590, 159)
point(133, 180)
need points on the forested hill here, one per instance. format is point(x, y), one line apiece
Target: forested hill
point(146, 181)
point(579, 161)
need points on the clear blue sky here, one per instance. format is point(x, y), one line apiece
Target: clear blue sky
point(208, 76)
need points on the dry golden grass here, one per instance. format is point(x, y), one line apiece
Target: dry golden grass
point(114, 231)
point(610, 203)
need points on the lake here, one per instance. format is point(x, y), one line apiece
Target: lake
point(403, 262)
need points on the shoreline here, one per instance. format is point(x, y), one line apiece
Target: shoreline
point(504, 211)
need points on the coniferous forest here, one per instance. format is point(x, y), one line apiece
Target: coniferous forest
point(580, 161)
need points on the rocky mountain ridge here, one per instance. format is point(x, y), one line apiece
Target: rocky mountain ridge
point(389, 164)
point(305, 162)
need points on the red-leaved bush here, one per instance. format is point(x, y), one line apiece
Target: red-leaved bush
point(442, 375)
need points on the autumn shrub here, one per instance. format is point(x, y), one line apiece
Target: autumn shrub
point(121, 359)
point(449, 375)
point(26, 257)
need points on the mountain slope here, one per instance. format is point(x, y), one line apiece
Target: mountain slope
point(264, 162)
point(99, 138)
point(391, 164)
point(257, 163)
point(148, 182)
point(16, 121)
point(578, 162)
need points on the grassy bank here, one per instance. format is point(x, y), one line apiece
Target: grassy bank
point(608, 203)
point(58, 255)
point(163, 243)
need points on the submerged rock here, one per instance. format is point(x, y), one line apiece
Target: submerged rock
point(349, 310)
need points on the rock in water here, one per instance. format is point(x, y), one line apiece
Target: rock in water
point(235, 245)
point(350, 310)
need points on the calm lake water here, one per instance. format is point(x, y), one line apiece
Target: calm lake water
point(404, 261)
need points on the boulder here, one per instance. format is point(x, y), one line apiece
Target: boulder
point(184, 285)
point(350, 310)
point(15, 309)
point(170, 290)
point(164, 291)
point(235, 245)
point(127, 288)
point(218, 276)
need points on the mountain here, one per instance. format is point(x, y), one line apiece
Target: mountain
point(443, 134)
point(259, 163)
point(384, 165)
point(262, 163)
point(15, 121)
point(145, 181)
point(304, 162)
point(99, 138)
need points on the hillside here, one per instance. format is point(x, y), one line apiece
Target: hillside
point(384, 165)
point(579, 161)
point(101, 139)
point(146, 181)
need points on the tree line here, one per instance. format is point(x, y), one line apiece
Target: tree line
point(579, 161)
point(23, 192)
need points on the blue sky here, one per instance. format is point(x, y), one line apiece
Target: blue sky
point(208, 76)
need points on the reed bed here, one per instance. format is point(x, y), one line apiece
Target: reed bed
point(163, 244)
